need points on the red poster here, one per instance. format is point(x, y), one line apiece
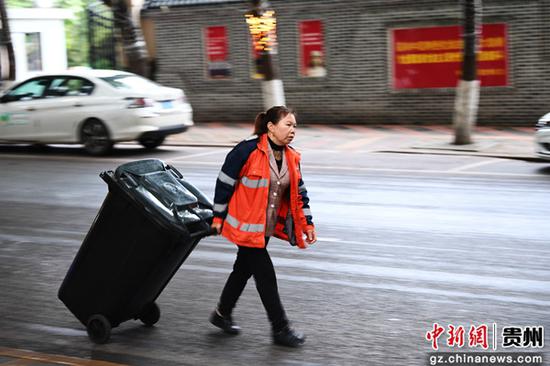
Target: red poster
point(432, 57)
point(217, 52)
point(312, 55)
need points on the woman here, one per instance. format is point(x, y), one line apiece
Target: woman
point(259, 194)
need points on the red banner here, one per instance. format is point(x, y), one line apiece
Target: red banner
point(432, 57)
point(217, 51)
point(311, 49)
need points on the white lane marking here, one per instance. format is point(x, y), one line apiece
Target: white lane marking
point(56, 330)
point(406, 274)
point(30, 239)
point(310, 168)
point(49, 239)
point(434, 293)
point(467, 250)
point(475, 165)
point(307, 167)
point(91, 159)
point(43, 230)
point(196, 155)
point(394, 259)
point(429, 171)
point(535, 253)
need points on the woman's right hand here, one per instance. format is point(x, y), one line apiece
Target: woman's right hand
point(216, 227)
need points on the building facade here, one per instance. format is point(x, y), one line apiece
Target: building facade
point(38, 36)
point(356, 61)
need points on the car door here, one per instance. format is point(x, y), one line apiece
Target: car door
point(62, 108)
point(17, 110)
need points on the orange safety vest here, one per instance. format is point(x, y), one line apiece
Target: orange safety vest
point(245, 221)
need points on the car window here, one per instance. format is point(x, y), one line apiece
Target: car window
point(30, 89)
point(132, 82)
point(79, 86)
point(56, 89)
point(69, 86)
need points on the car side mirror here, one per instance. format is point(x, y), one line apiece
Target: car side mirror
point(7, 98)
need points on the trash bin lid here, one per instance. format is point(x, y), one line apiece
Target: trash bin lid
point(160, 187)
point(168, 190)
point(152, 175)
point(140, 167)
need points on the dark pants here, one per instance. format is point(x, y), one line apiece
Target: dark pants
point(254, 262)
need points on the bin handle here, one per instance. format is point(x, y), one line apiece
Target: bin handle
point(132, 180)
point(175, 171)
point(206, 232)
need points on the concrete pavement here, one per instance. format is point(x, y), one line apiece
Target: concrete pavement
point(504, 142)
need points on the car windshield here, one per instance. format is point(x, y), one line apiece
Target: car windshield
point(123, 81)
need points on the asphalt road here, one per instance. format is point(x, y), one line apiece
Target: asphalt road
point(405, 241)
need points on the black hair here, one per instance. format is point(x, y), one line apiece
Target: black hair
point(273, 114)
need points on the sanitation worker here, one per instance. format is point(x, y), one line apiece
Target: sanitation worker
point(260, 194)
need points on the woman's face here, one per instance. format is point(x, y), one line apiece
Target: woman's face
point(283, 132)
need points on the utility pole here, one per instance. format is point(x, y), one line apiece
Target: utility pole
point(7, 55)
point(262, 25)
point(467, 92)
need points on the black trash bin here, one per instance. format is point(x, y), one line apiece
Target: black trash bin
point(149, 223)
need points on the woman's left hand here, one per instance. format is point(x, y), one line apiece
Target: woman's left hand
point(311, 237)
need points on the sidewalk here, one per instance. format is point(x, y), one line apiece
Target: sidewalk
point(506, 142)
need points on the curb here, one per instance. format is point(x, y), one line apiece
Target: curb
point(413, 150)
point(199, 144)
point(533, 159)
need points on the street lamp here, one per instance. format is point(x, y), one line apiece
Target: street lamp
point(262, 25)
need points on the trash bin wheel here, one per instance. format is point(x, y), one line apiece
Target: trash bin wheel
point(150, 314)
point(99, 329)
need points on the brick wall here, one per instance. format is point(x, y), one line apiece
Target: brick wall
point(357, 88)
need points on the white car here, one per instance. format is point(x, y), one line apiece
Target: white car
point(95, 108)
point(542, 137)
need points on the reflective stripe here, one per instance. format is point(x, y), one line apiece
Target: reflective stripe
point(232, 221)
point(251, 137)
point(218, 207)
point(254, 183)
point(226, 178)
point(253, 228)
point(307, 212)
point(250, 228)
point(302, 188)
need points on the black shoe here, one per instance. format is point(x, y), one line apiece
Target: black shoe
point(224, 323)
point(288, 337)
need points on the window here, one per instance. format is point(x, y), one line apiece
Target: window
point(34, 54)
point(30, 89)
point(69, 86)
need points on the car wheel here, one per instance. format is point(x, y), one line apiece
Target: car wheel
point(95, 137)
point(151, 142)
